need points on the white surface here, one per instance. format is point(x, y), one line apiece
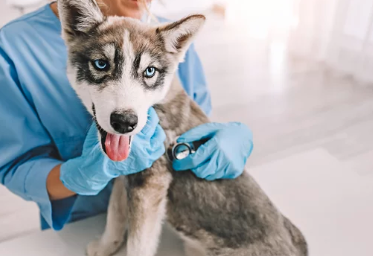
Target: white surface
point(336, 32)
point(172, 8)
point(9, 12)
point(17, 217)
point(25, 3)
point(73, 240)
point(330, 203)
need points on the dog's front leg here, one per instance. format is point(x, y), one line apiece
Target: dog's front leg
point(147, 205)
point(116, 222)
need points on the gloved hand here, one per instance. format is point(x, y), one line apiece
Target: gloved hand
point(223, 156)
point(91, 172)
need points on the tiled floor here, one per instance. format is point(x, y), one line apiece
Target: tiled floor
point(310, 125)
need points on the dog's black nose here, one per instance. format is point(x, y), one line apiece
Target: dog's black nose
point(123, 122)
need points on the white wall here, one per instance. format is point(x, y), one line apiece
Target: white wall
point(7, 13)
point(167, 8)
point(338, 33)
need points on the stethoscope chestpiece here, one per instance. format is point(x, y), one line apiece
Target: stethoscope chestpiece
point(181, 150)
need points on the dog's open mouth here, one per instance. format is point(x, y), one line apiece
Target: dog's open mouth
point(116, 147)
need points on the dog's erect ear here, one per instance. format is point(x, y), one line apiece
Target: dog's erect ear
point(78, 16)
point(178, 35)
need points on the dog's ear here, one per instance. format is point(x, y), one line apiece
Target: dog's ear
point(78, 16)
point(178, 35)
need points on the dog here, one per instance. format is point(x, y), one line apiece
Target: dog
point(120, 67)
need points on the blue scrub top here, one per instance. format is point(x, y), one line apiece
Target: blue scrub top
point(42, 121)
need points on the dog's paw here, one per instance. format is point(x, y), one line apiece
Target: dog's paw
point(97, 248)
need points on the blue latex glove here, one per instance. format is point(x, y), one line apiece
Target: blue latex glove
point(223, 156)
point(91, 172)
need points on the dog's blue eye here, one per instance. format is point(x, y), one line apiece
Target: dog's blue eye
point(149, 72)
point(101, 64)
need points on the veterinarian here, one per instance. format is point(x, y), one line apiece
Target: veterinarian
point(43, 125)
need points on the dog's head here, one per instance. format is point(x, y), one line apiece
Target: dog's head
point(120, 67)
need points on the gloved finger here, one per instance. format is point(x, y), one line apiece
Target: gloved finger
point(155, 155)
point(202, 154)
point(151, 123)
point(158, 152)
point(251, 148)
point(218, 174)
point(214, 170)
point(93, 131)
point(91, 137)
point(206, 169)
point(215, 176)
point(158, 137)
point(200, 132)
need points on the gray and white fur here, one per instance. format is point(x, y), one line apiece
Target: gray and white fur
point(219, 218)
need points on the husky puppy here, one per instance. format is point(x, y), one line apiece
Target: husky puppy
point(120, 66)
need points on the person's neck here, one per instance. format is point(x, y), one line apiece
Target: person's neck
point(113, 9)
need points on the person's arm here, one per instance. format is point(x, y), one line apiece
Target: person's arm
point(56, 189)
point(193, 80)
point(27, 152)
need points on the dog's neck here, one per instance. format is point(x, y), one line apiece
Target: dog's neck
point(178, 112)
point(175, 89)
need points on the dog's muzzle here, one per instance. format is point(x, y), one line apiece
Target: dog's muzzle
point(116, 156)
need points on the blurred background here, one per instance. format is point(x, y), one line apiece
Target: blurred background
point(300, 74)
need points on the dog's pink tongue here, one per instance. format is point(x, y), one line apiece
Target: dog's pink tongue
point(117, 147)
